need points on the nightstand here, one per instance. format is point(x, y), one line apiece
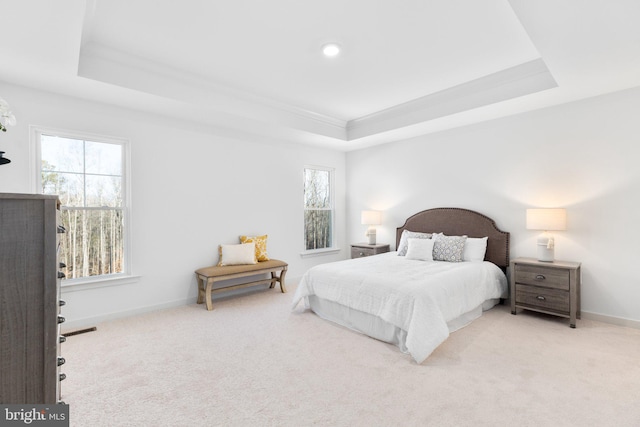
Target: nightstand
point(359, 250)
point(547, 287)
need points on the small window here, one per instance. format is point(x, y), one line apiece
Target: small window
point(318, 208)
point(89, 178)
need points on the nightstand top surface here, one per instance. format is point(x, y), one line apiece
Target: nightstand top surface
point(366, 245)
point(552, 264)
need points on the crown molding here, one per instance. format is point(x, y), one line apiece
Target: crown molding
point(112, 66)
point(523, 79)
point(108, 65)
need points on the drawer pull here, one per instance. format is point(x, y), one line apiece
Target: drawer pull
point(541, 298)
point(361, 254)
point(540, 277)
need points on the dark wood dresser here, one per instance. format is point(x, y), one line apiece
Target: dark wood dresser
point(30, 299)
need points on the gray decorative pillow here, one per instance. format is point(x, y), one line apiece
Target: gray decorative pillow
point(406, 235)
point(448, 248)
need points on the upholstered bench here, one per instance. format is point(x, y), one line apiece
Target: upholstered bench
point(207, 276)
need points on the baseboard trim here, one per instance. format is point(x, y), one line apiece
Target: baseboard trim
point(619, 321)
point(87, 322)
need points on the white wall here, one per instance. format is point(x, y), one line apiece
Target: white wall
point(191, 190)
point(582, 156)
point(195, 188)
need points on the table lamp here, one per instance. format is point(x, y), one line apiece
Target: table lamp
point(546, 220)
point(371, 218)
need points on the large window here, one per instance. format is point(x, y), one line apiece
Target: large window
point(318, 208)
point(88, 175)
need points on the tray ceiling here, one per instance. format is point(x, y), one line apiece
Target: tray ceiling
point(405, 69)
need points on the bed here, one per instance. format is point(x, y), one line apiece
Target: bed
point(415, 303)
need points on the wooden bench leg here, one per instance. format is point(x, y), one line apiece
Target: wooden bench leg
point(281, 280)
point(200, 284)
point(208, 294)
point(275, 278)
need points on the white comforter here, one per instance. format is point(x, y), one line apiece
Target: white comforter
point(419, 297)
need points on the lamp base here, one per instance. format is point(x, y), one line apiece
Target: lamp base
point(546, 248)
point(371, 234)
point(545, 255)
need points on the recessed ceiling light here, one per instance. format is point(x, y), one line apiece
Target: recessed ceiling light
point(331, 49)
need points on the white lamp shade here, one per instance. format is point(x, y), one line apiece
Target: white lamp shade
point(371, 217)
point(546, 219)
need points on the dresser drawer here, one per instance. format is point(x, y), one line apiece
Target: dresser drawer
point(359, 252)
point(542, 298)
point(542, 276)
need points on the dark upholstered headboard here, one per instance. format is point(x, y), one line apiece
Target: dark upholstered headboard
point(458, 222)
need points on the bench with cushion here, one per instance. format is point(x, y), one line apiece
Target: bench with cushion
point(207, 276)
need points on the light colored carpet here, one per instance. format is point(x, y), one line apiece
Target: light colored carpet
point(253, 362)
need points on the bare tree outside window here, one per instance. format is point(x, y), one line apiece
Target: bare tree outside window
point(318, 209)
point(88, 178)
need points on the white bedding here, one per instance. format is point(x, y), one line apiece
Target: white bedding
point(418, 297)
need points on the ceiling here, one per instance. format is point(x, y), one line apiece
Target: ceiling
point(406, 68)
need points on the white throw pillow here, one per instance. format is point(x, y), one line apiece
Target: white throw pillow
point(420, 249)
point(406, 234)
point(474, 249)
point(244, 253)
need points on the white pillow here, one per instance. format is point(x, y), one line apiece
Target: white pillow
point(244, 253)
point(406, 234)
point(420, 249)
point(474, 249)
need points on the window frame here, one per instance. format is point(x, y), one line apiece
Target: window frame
point(333, 248)
point(126, 275)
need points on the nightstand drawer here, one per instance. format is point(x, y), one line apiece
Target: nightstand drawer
point(547, 277)
point(359, 252)
point(542, 298)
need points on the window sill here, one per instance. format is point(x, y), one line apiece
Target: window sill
point(319, 252)
point(73, 285)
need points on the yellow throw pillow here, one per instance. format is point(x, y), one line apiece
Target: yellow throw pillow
point(261, 246)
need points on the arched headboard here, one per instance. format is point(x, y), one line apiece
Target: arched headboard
point(459, 222)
